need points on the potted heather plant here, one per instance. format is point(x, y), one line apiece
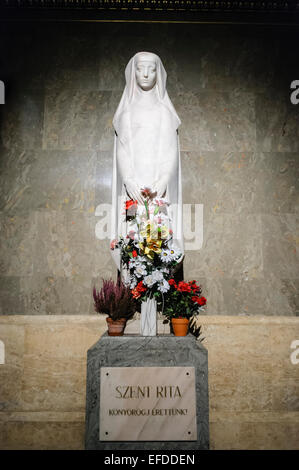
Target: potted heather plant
point(115, 300)
point(182, 302)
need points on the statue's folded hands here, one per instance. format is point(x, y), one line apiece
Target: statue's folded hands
point(160, 187)
point(133, 190)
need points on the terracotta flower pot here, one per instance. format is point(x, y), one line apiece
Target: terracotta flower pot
point(116, 327)
point(180, 326)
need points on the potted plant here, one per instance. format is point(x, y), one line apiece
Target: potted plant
point(182, 302)
point(114, 300)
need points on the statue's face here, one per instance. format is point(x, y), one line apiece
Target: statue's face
point(146, 73)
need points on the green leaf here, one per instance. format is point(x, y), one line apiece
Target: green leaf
point(146, 208)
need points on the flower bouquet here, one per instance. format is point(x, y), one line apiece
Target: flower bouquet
point(148, 257)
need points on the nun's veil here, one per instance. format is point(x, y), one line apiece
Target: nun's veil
point(130, 90)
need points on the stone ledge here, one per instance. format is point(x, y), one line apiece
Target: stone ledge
point(204, 320)
point(43, 416)
point(215, 416)
point(254, 417)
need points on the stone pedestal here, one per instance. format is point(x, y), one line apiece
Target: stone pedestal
point(142, 351)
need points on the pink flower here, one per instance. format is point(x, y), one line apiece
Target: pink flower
point(161, 202)
point(131, 234)
point(112, 244)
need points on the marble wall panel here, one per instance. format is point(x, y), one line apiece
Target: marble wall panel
point(279, 245)
point(253, 435)
point(277, 121)
point(53, 383)
point(215, 120)
point(47, 179)
point(62, 238)
point(243, 297)
point(11, 373)
point(232, 246)
point(224, 182)
point(278, 176)
point(73, 66)
point(12, 301)
point(20, 69)
point(18, 435)
point(75, 119)
point(234, 182)
point(17, 238)
point(210, 66)
point(22, 119)
point(103, 177)
point(51, 295)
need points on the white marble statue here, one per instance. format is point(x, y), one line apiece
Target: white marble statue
point(146, 145)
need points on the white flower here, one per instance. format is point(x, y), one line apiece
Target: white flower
point(126, 277)
point(163, 286)
point(166, 256)
point(140, 270)
point(174, 253)
point(149, 280)
point(164, 270)
point(161, 218)
point(169, 254)
point(157, 275)
point(133, 283)
point(134, 262)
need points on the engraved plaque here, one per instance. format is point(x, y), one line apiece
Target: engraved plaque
point(148, 404)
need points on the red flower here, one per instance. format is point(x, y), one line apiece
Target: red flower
point(172, 282)
point(134, 253)
point(199, 300)
point(184, 287)
point(136, 292)
point(141, 287)
point(195, 288)
point(130, 203)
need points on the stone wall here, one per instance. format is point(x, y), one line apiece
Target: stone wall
point(239, 142)
point(253, 384)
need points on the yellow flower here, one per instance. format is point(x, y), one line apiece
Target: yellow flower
point(150, 231)
point(150, 247)
point(164, 232)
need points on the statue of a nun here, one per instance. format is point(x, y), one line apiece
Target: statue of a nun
point(146, 146)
